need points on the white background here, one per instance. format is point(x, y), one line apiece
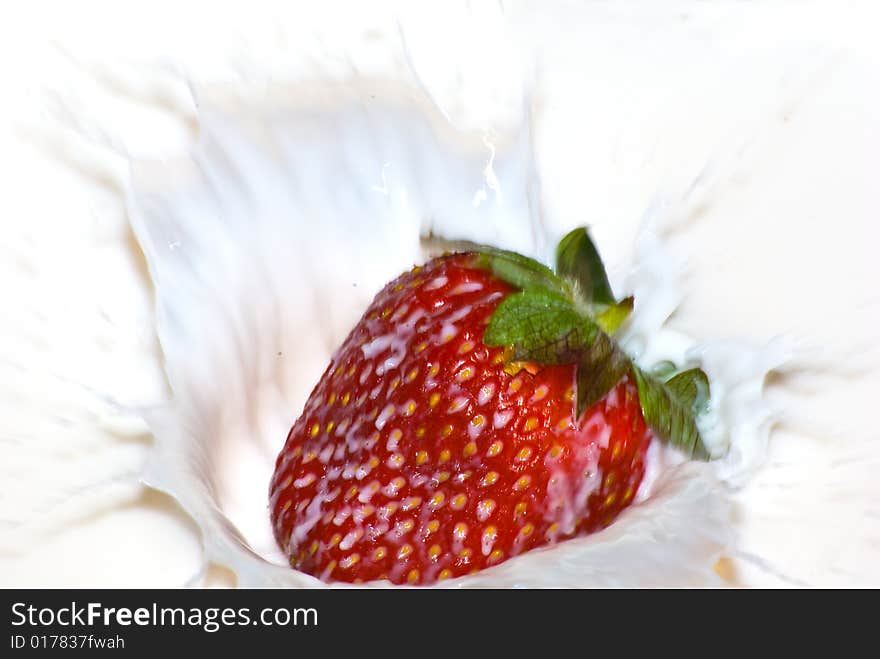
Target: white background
point(780, 100)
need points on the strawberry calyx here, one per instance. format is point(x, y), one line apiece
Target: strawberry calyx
point(569, 316)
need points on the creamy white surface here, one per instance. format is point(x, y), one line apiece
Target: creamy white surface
point(775, 105)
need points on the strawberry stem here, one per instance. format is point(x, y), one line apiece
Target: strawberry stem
point(568, 317)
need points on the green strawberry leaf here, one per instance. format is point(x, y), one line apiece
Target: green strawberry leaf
point(520, 271)
point(664, 370)
point(613, 317)
point(569, 317)
point(540, 326)
point(577, 260)
point(598, 371)
point(668, 408)
point(691, 387)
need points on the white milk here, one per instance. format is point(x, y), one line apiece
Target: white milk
point(723, 156)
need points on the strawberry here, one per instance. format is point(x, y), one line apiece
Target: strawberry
point(479, 409)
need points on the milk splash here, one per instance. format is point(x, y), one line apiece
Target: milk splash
point(268, 243)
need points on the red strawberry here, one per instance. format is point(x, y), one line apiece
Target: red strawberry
point(426, 452)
